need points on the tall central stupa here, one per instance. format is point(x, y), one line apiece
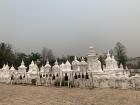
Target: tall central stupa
point(93, 63)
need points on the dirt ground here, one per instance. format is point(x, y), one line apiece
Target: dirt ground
point(41, 95)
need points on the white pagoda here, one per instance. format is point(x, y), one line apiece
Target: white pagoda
point(83, 65)
point(75, 64)
point(22, 68)
point(42, 70)
point(13, 70)
point(47, 67)
point(67, 66)
point(94, 64)
point(56, 67)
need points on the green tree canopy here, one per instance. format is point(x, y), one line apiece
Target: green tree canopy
point(7, 55)
point(120, 52)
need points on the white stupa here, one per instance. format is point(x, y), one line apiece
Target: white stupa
point(83, 65)
point(121, 67)
point(42, 69)
point(109, 63)
point(22, 68)
point(47, 67)
point(94, 64)
point(31, 65)
point(115, 64)
point(7, 67)
point(33, 69)
point(13, 70)
point(83, 62)
point(62, 67)
point(75, 64)
point(56, 67)
point(67, 66)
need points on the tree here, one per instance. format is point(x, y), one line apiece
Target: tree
point(120, 52)
point(6, 54)
point(62, 59)
point(70, 58)
point(47, 54)
point(20, 57)
point(50, 55)
point(102, 58)
point(34, 56)
point(44, 54)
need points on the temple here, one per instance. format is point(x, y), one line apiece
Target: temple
point(80, 73)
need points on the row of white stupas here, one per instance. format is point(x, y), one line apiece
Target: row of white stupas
point(93, 65)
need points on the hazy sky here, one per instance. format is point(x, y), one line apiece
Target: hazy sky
point(70, 26)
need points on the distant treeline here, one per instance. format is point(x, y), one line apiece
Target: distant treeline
point(10, 57)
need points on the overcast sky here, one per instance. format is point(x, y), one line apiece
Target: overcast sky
point(70, 26)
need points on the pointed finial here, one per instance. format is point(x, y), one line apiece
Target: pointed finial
point(113, 56)
point(121, 66)
point(22, 63)
point(47, 61)
point(62, 63)
point(32, 62)
point(67, 61)
point(82, 59)
point(56, 62)
point(108, 54)
point(75, 58)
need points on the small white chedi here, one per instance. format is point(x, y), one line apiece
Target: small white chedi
point(47, 67)
point(56, 68)
point(75, 64)
point(22, 68)
point(33, 70)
